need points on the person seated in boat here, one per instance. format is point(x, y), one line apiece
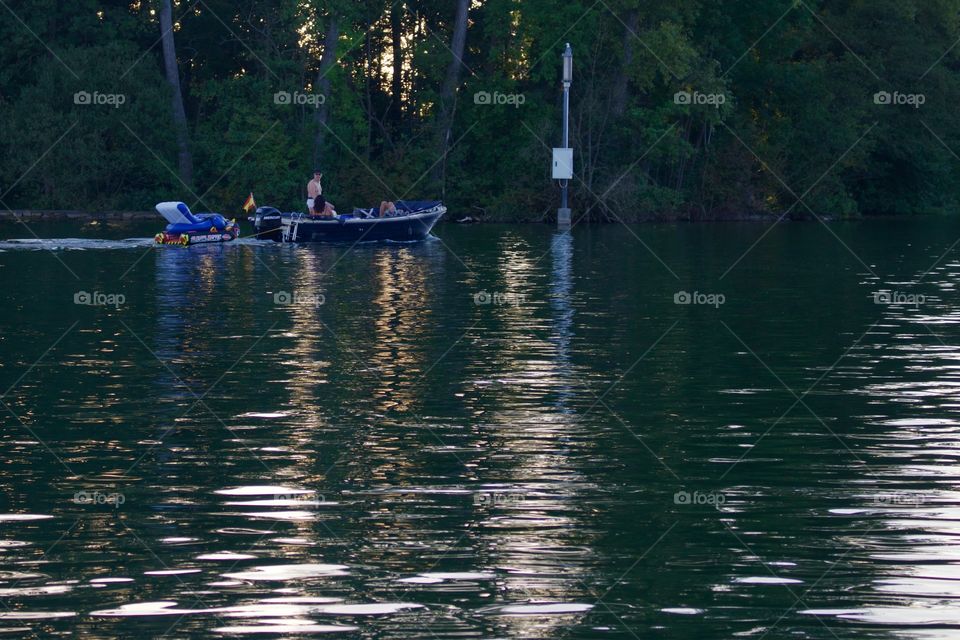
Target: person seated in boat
point(321, 208)
point(387, 208)
point(317, 205)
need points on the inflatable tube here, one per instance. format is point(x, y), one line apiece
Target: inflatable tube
point(177, 213)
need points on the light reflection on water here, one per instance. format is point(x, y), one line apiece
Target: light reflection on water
point(907, 368)
point(404, 460)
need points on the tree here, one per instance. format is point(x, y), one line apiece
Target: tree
point(797, 81)
point(397, 11)
point(322, 85)
point(448, 97)
point(184, 157)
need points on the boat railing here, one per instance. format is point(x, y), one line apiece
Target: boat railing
point(434, 209)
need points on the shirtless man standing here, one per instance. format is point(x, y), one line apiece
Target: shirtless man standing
point(314, 191)
point(316, 203)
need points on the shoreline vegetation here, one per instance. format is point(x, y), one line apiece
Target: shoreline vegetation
point(694, 109)
point(64, 215)
point(120, 217)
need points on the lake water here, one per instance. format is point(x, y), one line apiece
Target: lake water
point(503, 432)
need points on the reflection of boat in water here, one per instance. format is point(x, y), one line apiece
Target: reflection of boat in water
point(187, 228)
point(413, 221)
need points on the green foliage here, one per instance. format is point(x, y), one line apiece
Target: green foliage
point(798, 115)
point(88, 141)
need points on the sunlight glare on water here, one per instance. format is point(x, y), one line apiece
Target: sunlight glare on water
point(503, 432)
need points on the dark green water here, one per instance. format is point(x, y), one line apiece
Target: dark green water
point(580, 458)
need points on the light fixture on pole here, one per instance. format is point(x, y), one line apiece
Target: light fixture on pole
point(563, 157)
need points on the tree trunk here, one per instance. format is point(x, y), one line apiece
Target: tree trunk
point(448, 96)
point(184, 158)
point(396, 40)
point(322, 86)
point(618, 100)
point(368, 91)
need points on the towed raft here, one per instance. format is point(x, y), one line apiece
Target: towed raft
point(413, 221)
point(187, 228)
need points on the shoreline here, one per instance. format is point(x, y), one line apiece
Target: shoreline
point(63, 215)
point(15, 215)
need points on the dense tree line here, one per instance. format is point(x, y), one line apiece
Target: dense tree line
point(684, 108)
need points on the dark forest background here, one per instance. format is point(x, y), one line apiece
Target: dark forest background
point(680, 109)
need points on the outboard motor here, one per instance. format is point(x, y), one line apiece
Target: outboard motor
point(266, 223)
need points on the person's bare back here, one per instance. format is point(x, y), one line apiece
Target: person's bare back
point(314, 188)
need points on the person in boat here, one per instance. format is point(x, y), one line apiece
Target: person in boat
point(387, 208)
point(317, 205)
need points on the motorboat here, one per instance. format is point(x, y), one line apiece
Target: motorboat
point(412, 221)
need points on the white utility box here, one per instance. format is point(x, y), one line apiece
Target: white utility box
point(563, 164)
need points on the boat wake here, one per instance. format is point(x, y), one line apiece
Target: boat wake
point(72, 244)
point(92, 244)
point(88, 244)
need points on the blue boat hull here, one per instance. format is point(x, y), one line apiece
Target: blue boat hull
point(409, 226)
point(405, 229)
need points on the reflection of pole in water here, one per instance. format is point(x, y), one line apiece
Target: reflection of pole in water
point(561, 285)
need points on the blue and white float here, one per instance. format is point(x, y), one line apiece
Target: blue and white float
point(188, 228)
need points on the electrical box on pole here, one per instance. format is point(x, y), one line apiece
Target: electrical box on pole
point(563, 164)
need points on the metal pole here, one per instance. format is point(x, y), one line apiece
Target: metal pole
point(563, 213)
point(566, 141)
